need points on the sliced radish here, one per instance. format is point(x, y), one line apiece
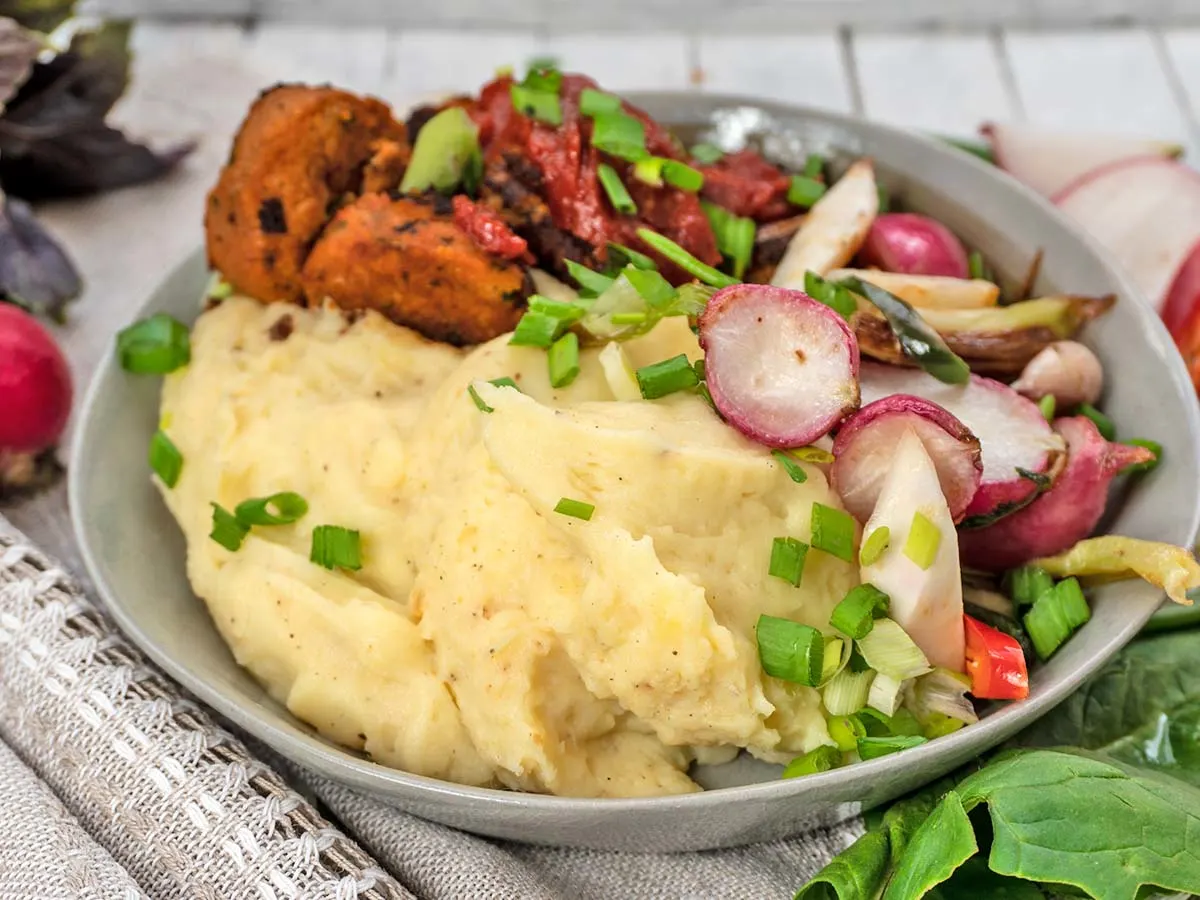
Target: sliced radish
point(781, 367)
point(834, 229)
point(1146, 212)
point(1048, 161)
point(912, 244)
point(1066, 513)
point(1012, 432)
point(866, 445)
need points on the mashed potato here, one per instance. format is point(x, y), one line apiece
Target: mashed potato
point(487, 639)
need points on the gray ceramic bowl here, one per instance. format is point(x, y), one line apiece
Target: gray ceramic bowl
point(136, 555)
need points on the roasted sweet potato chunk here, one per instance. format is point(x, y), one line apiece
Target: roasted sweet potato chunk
point(407, 259)
point(298, 154)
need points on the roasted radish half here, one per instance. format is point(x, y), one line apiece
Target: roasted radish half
point(1066, 513)
point(866, 445)
point(913, 244)
point(781, 367)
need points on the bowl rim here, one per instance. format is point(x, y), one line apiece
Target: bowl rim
point(311, 750)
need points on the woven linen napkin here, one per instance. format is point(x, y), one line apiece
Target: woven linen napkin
point(143, 793)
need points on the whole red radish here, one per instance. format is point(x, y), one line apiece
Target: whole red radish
point(1062, 516)
point(914, 245)
point(780, 367)
point(35, 395)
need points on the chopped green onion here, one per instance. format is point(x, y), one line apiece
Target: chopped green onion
point(833, 531)
point(649, 170)
point(506, 382)
point(538, 63)
point(558, 309)
point(564, 360)
point(855, 615)
point(1154, 447)
point(618, 196)
point(537, 104)
point(901, 722)
point(787, 559)
point(734, 234)
point(219, 289)
point(544, 77)
point(165, 459)
point(618, 372)
point(845, 731)
point(1055, 616)
point(587, 279)
point(794, 469)
point(789, 650)
point(289, 506)
point(939, 725)
point(820, 759)
point(1048, 405)
point(814, 455)
point(885, 694)
point(976, 267)
point(594, 103)
point(832, 295)
point(814, 165)
point(335, 547)
point(480, 404)
point(621, 256)
point(654, 289)
point(154, 346)
point(682, 176)
point(875, 747)
point(889, 650)
point(847, 692)
point(837, 655)
point(874, 546)
point(923, 542)
point(628, 318)
point(699, 366)
point(619, 135)
point(706, 153)
point(975, 148)
point(805, 191)
point(1028, 583)
point(884, 199)
point(676, 254)
point(576, 509)
point(445, 154)
point(537, 329)
point(666, 377)
point(227, 530)
point(1102, 422)
point(940, 695)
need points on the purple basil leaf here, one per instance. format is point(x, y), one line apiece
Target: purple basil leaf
point(34, 271)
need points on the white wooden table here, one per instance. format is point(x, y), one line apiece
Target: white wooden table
point(197, 80)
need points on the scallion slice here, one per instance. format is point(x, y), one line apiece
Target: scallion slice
point(537, 329)
point(814, 455)
point(590, 281)
point(480, 403)
point(1028, 583)
point(682, 176)
point(941, 695)
point(833, 531)
point(576, 509)
point(445, 154)
point(543, 75)
point(847, 692)
point(619, 135)
point(564, 360)
point(885, 694)
point(649, 170)
point(819, 759)
point(805, 191)
point(706, 153)
point(506, 382)
point(734, 234)
point(165, 459)
point(594, 103)
point(1154, 447)
point(885, 199)
point(874, 545)
point(794, 469)
point(875, 747)
point(558, 309)
point(923, 542)
point(1048, 405)
point(1055, 616)
point(335, 547)
point(219, 288)
point(814, 165)
point(845, 731)
point(837, 655)
point(154, 346)
point(226, 529)
point(619, 373)
point(790, 650)
point(976, 267)
point(628, 318)
point(620, 256)
point(676, 254)
point(889, 650)
point(614, 188)
point(666, 377)
point(654, 289)
point(288, 506)
point(855, 615)
point(1102, 422)
point(832, 295)
point(537, 104)
point(787, 559)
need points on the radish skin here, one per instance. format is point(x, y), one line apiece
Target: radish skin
point(1183, 297)
point(780, 367)
point(866, 444)
point(1064, 514)
point(928, 291)
point(927, 603)
point(912, 244)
